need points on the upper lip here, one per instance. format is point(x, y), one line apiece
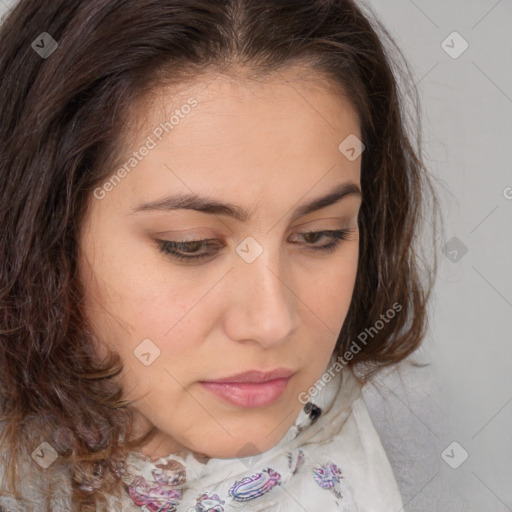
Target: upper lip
point(256, 376)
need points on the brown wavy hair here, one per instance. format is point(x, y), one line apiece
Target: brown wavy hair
point(63, 124)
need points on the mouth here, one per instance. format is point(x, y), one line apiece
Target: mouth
point(251, 389)
point(248, 394)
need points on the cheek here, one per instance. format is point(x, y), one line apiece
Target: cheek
point(329, 288)
point(136, 286)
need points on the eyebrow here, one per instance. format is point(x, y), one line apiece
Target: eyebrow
point(207, 205)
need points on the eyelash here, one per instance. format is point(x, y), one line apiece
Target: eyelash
point(169, 247)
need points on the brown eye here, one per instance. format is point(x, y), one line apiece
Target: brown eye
point(336, 236)
point(190, 250)
point(186, 250)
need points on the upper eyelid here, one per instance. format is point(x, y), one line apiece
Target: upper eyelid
point(204, 241)
point(299, 232)
point(337, 236)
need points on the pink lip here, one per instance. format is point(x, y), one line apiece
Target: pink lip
point(256, 376)
point(251, 389)
point(248, 394)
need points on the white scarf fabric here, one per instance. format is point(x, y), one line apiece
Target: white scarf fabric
point(334, 462)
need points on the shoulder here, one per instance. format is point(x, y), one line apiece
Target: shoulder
point(32, 487)
point(8, 500)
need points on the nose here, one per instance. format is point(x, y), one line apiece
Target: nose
point(262, 305)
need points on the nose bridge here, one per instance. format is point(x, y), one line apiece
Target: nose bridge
point(269, 285)
point(265, 309)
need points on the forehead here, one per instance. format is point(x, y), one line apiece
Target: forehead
point(244, 137)
point(294, 93)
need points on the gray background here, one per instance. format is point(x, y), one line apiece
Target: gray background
point(464, 392)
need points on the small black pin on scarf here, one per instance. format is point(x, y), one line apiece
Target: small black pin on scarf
point(312, 410)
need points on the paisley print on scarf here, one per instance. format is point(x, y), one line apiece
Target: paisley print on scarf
point(295, 460)
point(255, 485)
point(207, 503)
point(328, 476)
point(154, 497)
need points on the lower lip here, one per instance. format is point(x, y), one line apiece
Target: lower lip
point(248, 394)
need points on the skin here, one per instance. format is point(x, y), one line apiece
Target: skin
point(268, 146)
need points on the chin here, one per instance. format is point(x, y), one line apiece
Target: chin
point(246, 447)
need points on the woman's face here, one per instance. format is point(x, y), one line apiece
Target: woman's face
point(264, 296)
